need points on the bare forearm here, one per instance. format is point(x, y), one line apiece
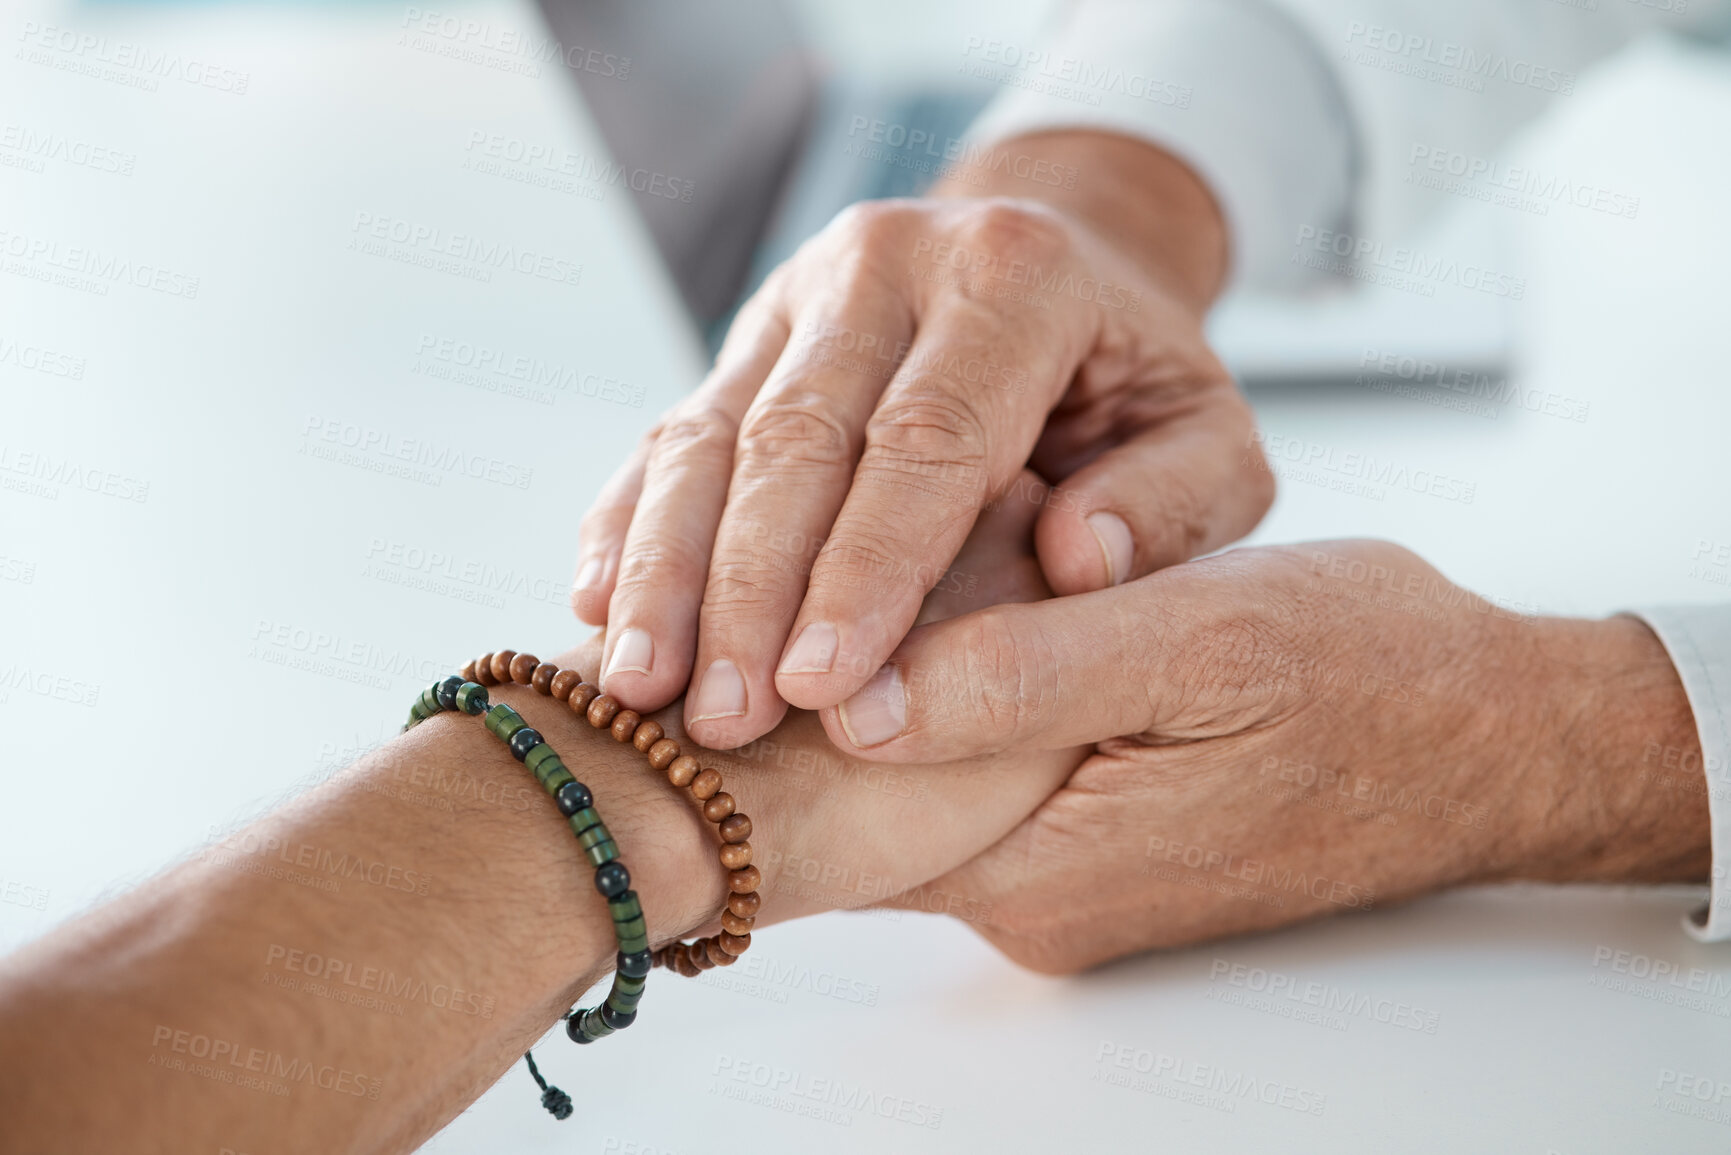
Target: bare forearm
point(198, 1013)
point(1146, 201)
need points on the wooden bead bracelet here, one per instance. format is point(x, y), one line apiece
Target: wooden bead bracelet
point(664, 756)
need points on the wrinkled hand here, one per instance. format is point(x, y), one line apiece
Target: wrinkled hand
point(834, 831)
point(771, 540)
point(1290, 732)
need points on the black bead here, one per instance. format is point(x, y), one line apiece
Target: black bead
point(634, 966)
point(616, 1020)
point(446, 691)
point(524, 741)
point(574, 1028)
point(612, 879)
point(572, 797)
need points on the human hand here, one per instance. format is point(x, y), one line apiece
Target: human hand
point(1285, 733)
point(832, 830)
point(772, 539)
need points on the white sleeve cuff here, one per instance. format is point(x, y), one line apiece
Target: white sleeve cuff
point(1698, 638)
point(1234, 88)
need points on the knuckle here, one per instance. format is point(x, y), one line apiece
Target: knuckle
point(649, 570)
point(869, 224)
point(742, 590)
point(935, 435)
point(1015, 229)
point(1008, 678)
point(801, 428)
point(702, 431)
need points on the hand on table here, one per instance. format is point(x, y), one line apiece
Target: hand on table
point(771, 540)
point(1284, 733)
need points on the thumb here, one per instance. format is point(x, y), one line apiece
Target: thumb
point(1184, 486)
point(1046, 675)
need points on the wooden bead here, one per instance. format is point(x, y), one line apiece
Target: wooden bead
point(736, 855)
point(581, 695)
point(522, 668)
point(734, 944)
point(484, 670)
point(541, 681)
point(699, 956)
point(601, 711)
point(625, 724)
point(501, 665)
point(712, 947)
point(681, 770)
point(468, 670)
point(719, 807)
point(683, 964)
point(563, 683)
point(648, 733)
point(664, 752)
point(736, 828)
point(745, 905)
point(744, 880)
point(733, 924)
point(704, 786)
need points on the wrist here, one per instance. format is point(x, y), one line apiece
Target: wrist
point(1607, 697)
point(1139, 199)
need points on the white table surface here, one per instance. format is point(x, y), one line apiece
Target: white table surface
point(261, 575)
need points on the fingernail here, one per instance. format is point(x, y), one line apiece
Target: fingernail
point(877, 712)
point(633, 653)
point(1116, 547)
point(813, 651)
point(721, 694)
point(588, 575)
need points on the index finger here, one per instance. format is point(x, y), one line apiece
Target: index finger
point(942, 442)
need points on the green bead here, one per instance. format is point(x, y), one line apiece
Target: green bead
point(418, 712)
point(622, 1003)
point(594, 836)
point(556, 779)
point(593, 1026)
point(584, 819)
point(630, 986)
point(471, 697)
point(630, 928)
point(503, 721)
point(537, 757)
point(430, 700)
point(603, 852)
point(626, 905)
point(634, 944)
